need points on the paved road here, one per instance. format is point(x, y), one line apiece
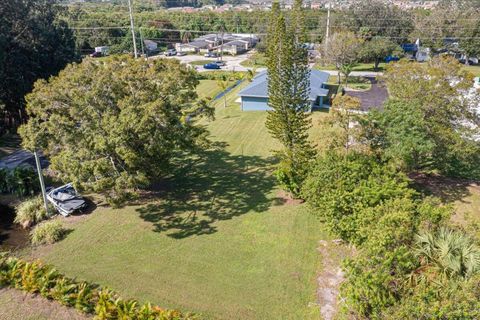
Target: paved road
point(233, 64)
point(373, 98)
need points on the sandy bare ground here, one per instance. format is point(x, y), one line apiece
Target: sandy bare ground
point(330, 278)
point(17, 305)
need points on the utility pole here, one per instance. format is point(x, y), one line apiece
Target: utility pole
point(328, 22)
point(132, 27)
point(42, 183)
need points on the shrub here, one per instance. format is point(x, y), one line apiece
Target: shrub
point(339, 189)
point(20, 181)
point(34, 277)
point(47, 232)
point(31, 212)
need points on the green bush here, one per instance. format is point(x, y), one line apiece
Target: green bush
point(20, 181)
point(34, 277)
point(30, 212)
point(47, 232)
point(339, 188)
point(370, 204)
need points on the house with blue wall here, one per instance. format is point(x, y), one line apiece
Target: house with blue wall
point(254, 97)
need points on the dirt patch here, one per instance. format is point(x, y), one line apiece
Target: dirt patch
point(330, 279)
point(15, 304)
point(12, 236)
point(463, 194)
point(284, 197)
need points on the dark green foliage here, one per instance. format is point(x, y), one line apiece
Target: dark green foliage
point(433, 300)
point(423, 126)
point(34, 43)
point(402, 134)
point(21, 181)
point(370, 204)
point(377, 18)
point(33, 277)
point(340, 189)
point(377, 49)
point(288, 89)
point(116, 125)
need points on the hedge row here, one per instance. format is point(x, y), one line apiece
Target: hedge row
point(35, 278)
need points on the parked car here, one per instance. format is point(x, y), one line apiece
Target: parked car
point(181, 53)
point(211, 54)
point(212, 66)
point(66, 200)
point(170, 52)
point(389, 59)
point(96, 54)
point(220, 63)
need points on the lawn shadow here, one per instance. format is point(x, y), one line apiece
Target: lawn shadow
point(216, 186)
point(447, 189)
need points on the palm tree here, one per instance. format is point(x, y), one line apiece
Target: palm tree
point(448, 252)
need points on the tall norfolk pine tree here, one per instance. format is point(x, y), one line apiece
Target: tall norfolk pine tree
point(288, 89)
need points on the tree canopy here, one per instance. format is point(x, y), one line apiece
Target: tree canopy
point(429, 122)
point(377, 49)
point(115, 125)
point(34, 43)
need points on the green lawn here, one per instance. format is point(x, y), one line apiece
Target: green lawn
point(473, 69)
point(208, 89)
point(200, 62)
point(257, 60)
point(355, 83)
point(218, 240)
point(358, 67)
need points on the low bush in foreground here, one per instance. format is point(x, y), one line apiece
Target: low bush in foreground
point(408, 263)
point(35, 278)
point(47, 232)
point(31, 212)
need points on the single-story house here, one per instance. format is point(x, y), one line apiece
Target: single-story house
point(233, 43)
point(194, 46)
point(254, 97)
point(235, 47)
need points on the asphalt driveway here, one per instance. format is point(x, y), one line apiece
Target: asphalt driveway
point(373, 98)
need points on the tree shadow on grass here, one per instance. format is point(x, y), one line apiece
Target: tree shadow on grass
point(447, 189)
point(216, 186)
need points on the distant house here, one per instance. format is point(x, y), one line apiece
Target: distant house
point(234, 47)
point(255, 96)
point(231, 43)
point(194, 46)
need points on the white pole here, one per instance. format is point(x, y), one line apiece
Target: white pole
point(132, 28)
point(42, 183)
point(328, 22)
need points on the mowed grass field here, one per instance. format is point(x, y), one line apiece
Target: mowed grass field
point(217, 239)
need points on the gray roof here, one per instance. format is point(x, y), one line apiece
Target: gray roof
point(259, 85)
point(197, 44)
